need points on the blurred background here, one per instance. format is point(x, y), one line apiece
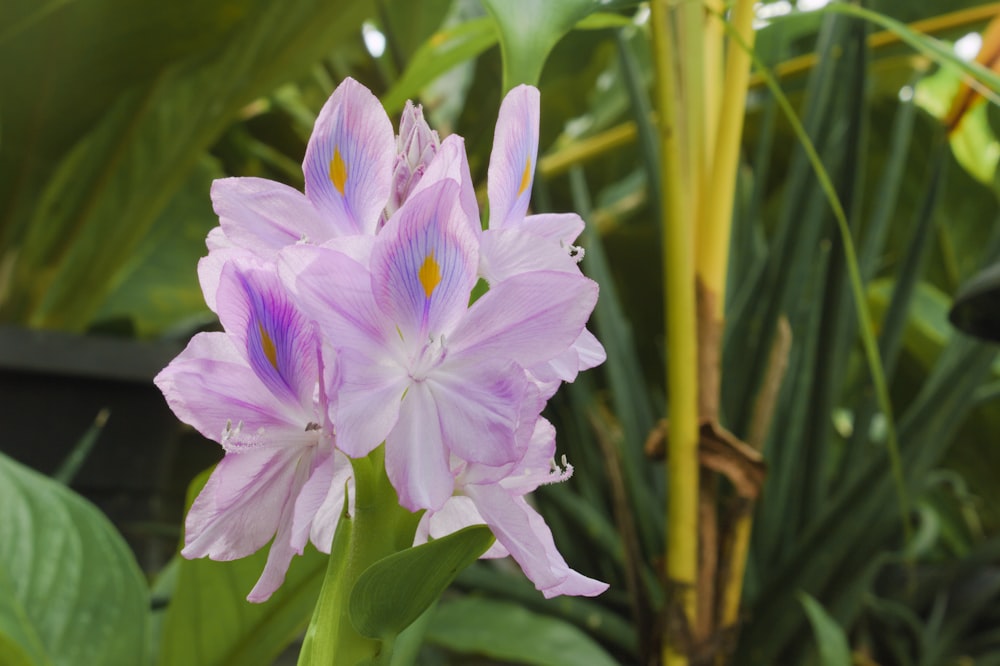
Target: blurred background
point(116, 115)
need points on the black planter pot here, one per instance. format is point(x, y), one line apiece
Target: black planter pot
point(54, 384)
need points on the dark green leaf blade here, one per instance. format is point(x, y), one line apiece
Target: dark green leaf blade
point(506, 631)
point(834, 649)
point(394, 591)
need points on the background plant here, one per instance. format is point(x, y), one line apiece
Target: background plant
point(115, 118)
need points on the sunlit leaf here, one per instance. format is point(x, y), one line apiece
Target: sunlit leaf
point(70, 589)
point(392, 593)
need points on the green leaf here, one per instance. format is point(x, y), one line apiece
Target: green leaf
point(442, 51)
point(530, 29)
point(209, 621)
point(158, 287)
point(326, 628)
point(508, 632)
point(106, 193)
point(834, 649)
point(70, 589)
point(394, 591)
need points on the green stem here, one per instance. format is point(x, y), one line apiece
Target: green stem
point(378, 528)
point(682, 376)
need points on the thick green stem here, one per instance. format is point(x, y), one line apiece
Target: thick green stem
point(378, 528)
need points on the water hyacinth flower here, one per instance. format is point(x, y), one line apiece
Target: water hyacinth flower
point(482, 496)
point(348, 325)
point(255, 389)
point(421, 369)
point(357, 173)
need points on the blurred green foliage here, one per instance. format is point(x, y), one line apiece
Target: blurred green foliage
point(116, 115)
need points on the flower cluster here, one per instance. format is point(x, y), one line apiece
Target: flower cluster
point(350, 320)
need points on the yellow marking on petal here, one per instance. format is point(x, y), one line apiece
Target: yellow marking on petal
point(338, 171)
point(525, 177)
point(429, 274)
point(267, 344)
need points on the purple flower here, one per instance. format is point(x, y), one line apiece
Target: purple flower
point(517, 242)
point(420, 369)
point(255, 389)
point(520, 531)
point(416, 146)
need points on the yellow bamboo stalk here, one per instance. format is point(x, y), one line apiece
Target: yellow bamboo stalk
point(718, 195)
point(713, 52)
point(595, 146)
point(682, 468)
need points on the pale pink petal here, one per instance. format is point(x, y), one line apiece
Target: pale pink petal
point(335, 291)
point(210, 386)
point(562, 228)
point(358, 247)
point(529, 318)
point(368, 403)
point(478, 408)
point(457, 513)
point(217, 240)
point(320, 502)
point(590, 350)
point(415, 456)
point(265, 216)
point(513, 160)
point(524, 533)
point(416, 146)
point(585, 353)
point(210, 267)
point(504, 253)
point(424, 263)
point(451, 162)
point(348, 162)
point(241, 507)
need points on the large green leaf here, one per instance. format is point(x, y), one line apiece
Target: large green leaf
point(70, 589)
point(158, 287)
point(508, 632)
point(109, 189)
point(445, 49)
point(396, 590)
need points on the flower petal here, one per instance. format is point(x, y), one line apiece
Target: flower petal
point(320, 502)
point(210, 386)
point(368, 403)
point(530, 318)
point(524, 533)
point(265, 216)
point(280, 343)
point(585, 353)
point(457, 513)
point(335, 291)
point(507, 252)
point(562, 228)
point(512, 162)
point(348, 162)
point(424, 263)
point(416, 459)
point(248, 497)
point(451, 162)
point(478, 405)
